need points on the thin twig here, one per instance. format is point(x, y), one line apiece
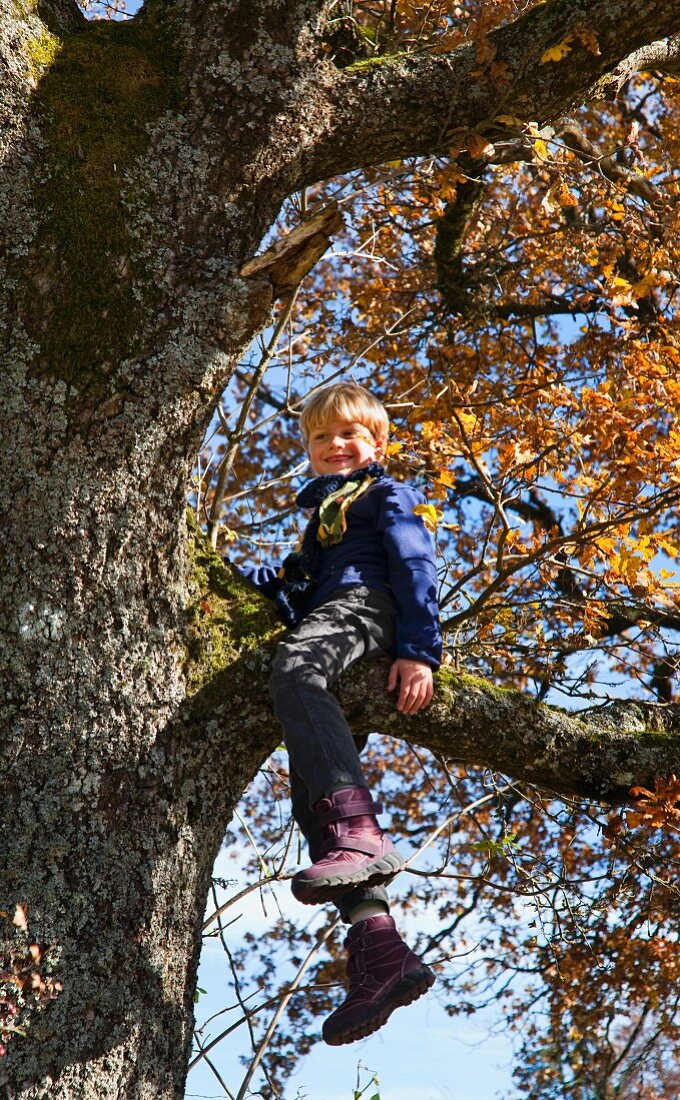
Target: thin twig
point(273, 1023)
point(234, 972)
point(214, 1070)
point(235, 436)
point(452, 817)
point(276, 876)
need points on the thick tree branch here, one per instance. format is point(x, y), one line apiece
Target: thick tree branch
point(598, 754)
point(450, 239)
point(420, 103)
point(660, 57)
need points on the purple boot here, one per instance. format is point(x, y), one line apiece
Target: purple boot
point(383, 973)
point(355, 851)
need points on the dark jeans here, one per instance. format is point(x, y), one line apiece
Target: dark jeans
point(352, 625)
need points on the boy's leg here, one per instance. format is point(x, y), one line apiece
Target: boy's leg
point(353, 624)
point(348, 904)
point(382, 972)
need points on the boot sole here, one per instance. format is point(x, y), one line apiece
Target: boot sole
point(319, 890)
point(407, 990)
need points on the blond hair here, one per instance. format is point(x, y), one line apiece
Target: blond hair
point(344, 401)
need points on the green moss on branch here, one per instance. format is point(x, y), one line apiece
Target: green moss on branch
point(42, 53)
point(226, 617)
point(368, 64)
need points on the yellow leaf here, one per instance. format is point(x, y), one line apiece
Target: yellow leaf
point(429, 514)
point(393, 448)
point(644, 285)
point(556, 53)
point(468, 421)
point(447, 478)
point(448, 193)
point(566, 197)
point(541, 149)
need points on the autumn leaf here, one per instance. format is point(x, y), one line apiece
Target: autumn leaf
point(559, 195)
point(478, 146)
point(659, 808)
point(446, 478)
point(429, 515)
point(665, 544)
point(558, 52)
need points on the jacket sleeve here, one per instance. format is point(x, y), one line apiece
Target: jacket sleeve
point(413, 573)
point(264, 577)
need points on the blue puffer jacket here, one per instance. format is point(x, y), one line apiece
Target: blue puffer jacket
point(385, 546)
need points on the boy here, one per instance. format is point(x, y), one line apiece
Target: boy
point(363, 584)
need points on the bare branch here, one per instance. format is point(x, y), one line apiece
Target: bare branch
point(574, 138)
point(237, 434)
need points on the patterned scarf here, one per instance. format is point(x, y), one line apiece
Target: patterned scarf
point(330, 495)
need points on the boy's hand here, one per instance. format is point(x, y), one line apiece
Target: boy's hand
point(415, 684)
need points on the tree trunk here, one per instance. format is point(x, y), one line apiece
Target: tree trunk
point(109, 828)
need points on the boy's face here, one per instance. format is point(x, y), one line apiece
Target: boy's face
point(342, 446)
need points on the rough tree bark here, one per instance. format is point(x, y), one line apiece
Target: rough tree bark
point(141, 167)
